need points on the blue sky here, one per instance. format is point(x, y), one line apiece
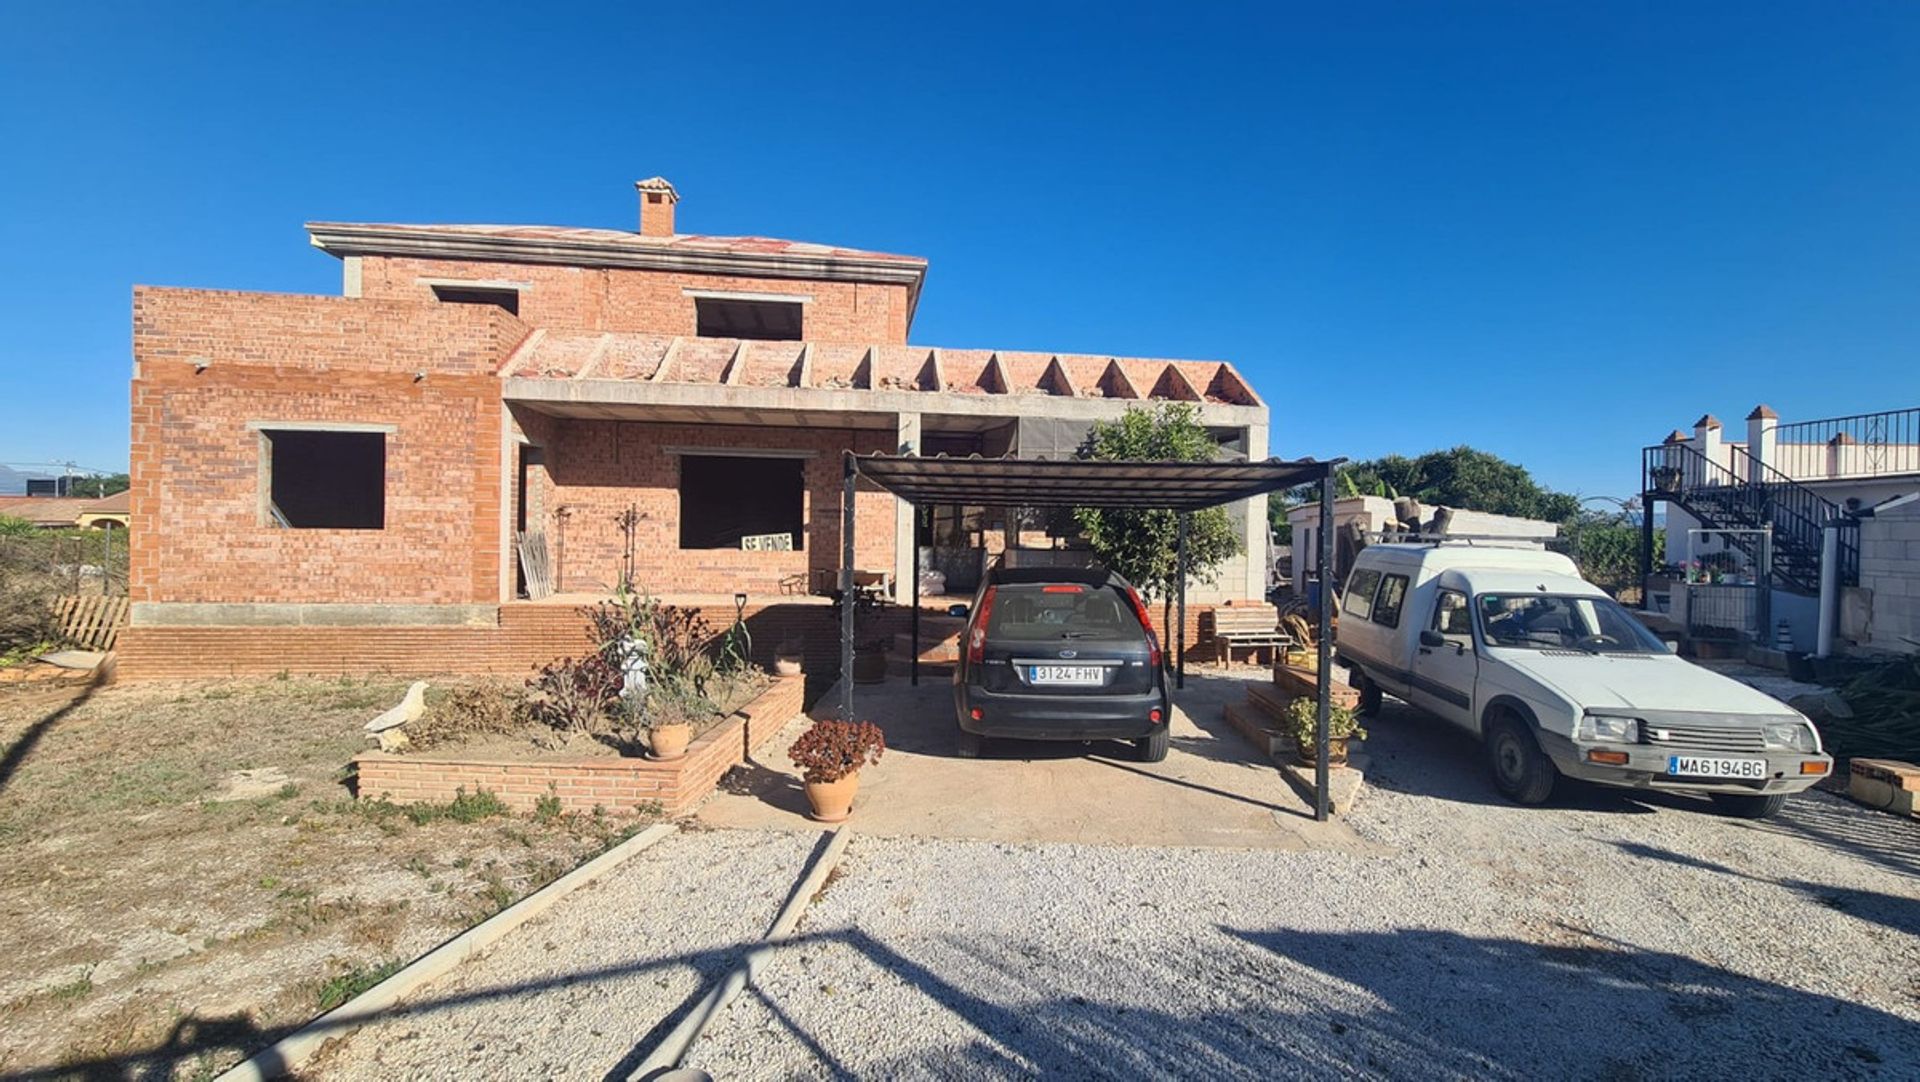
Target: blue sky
point(1553, 231)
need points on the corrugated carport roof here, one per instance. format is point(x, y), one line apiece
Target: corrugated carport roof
point(1021, 482)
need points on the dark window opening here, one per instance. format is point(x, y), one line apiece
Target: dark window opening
point(1393, 594)
point(1360, 590)
point(327, 480)
point(733, 503)
point(764, 321)
point(508, 299)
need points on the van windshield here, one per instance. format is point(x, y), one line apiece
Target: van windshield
point(1597, 625)
point(1036, 613)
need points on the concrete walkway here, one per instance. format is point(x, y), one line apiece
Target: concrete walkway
point(1212, 790)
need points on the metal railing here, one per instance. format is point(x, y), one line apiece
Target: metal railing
point(1870, 445)
point(1753, 494)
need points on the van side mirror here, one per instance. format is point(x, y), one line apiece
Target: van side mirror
point(1672, 645)
point(1431, 637)
point(961, 611)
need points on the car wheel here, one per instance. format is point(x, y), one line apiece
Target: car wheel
point(1152, 749)
point(1369, 695)
point(968, 745)
point(1749, 807)
point(1521, 771)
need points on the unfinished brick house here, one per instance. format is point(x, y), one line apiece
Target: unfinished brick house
point(337, 484)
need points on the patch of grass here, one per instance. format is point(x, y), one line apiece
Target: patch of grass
point(75, 990)
point(339, 989)
point(419, 867)
point(493, 896)
point(288, 791)
point(547, 808)
point(465, 807)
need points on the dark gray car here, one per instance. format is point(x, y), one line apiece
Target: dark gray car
point(1060, 653)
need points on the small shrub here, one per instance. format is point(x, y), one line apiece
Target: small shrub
point(547, 808)
point(465, 807)
point(830, 750)
point(575, 696)
point(1303, 722)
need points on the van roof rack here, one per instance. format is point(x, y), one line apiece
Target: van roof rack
point(1403, 537)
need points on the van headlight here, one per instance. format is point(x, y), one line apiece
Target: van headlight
point(1610, 729)
point(1790, 736)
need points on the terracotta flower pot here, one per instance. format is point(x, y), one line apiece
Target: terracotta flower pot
point(1336, 751)
point(669, 741)
point(833, 800)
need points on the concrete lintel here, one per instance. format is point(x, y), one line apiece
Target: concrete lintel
point(317, 614)
point(746, 295)
point(322, 426)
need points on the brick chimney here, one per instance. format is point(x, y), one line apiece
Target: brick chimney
point(657, 198)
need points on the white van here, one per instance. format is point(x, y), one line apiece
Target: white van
point(1555, 677)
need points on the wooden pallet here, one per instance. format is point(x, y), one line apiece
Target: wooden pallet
point(92, 622)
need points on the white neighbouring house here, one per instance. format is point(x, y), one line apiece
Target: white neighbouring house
point(1766, 502)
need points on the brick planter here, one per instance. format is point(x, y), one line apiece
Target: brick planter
point(617, 785)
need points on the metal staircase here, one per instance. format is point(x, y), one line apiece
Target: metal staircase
point(1750, 496)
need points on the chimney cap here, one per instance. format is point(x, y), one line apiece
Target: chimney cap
point(1677, 436)
point(1707, 420)
point(1763, 412)
point(658, 184)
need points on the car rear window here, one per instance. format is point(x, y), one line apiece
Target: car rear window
point(1035, 612)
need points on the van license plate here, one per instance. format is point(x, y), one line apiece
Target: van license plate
point(1692, 766)
point(1089, 675)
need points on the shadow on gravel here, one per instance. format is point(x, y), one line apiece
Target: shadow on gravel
point(1902, 914)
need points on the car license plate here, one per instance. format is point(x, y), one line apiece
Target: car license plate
point(1088, 675)
point(1693, 766)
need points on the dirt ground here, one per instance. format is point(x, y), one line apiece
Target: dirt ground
point(161, 913)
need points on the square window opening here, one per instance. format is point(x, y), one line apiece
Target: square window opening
point(505, 299)
point(742, 503)
point(1359, 600)
point(762, 321)
point(325, 480)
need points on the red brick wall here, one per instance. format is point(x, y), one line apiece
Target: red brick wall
point(198, 533)
point(595, 470)
point(581, 785)
point(616, 299)
point(526, 636)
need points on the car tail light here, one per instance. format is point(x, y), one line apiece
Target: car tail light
point(1154, 715)
point(976, 713)
point(1146, 621)
point(1063, 589)
point(977, 638)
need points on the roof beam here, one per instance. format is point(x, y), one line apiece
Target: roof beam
point(666, 361)
point(736, 364)
point(803, 371)
point(593, 359)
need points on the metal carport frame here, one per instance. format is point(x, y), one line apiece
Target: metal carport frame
point(1181, 487)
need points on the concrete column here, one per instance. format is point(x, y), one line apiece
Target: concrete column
point(1762, 440)
point(905, 566)
point(1255, 537)
point(1706, 440)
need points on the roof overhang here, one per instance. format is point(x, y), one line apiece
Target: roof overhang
point(822, 407)
point(425, 242)
point(1035, 483)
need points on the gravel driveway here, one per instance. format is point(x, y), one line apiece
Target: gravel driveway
point(1606, 935)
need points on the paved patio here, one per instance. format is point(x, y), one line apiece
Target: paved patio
point(1212, 790)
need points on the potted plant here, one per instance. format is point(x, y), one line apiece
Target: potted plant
point(1303, 724)
point(830, 754)
point(669, 731)
point(1666, 478)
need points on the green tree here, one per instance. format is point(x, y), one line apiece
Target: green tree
point(98, 485)
point(1140, 544)
point(1607, 548)
point(1462, 477)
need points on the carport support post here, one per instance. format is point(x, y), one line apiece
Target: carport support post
point(846, 591)
point(1324, 632)
point(915, 663)
point(1180, 594)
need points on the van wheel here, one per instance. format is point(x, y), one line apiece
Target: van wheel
point(1521, 771)
point(1749, 807)
point(1369, 695)
point(968, 745)
point(1152, 749)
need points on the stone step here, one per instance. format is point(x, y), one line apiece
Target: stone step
point(1296, 680)
point(938, 649)
point(1262, 731)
